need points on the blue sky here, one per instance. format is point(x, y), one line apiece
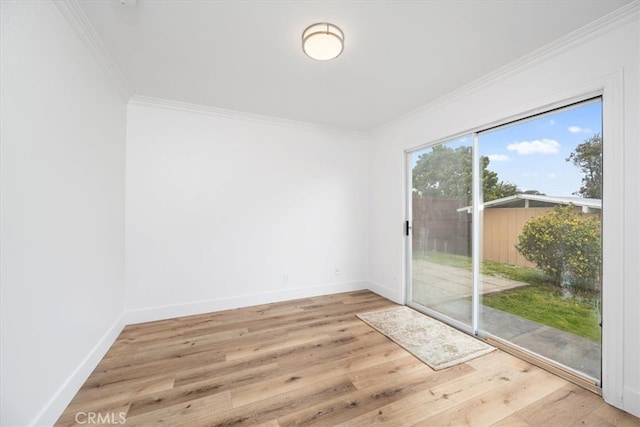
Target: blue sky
point(532, 154)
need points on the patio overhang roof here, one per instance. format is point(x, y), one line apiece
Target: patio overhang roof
point(538, 201)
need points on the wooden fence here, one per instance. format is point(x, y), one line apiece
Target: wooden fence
point(501, 228)
point(437, 226)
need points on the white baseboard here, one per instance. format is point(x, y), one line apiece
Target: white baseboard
point(631, 400)
point(188, 309)
point(383, 291)
point(60, 400)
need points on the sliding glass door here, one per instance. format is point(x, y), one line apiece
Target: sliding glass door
point(519, 263)
point(441, 184)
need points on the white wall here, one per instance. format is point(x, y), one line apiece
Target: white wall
point(219, 209)
point(62, 147)
point(606, 55)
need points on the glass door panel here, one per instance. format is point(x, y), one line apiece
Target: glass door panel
point(540, 275)
point(440, 264)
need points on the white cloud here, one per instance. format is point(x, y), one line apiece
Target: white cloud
point(578, 129)
point(552, 122)
point(552, 175)
point(542, 146)
point(499, 157)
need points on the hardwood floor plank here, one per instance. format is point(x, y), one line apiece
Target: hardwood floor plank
point(139, 369)
point(185, 411)
point(377, 375)
point(500, 400)
point(290, 380)
point(336, 411)
point(177, 395)
point(313, 362)
point(274, 406)
point(613, 416)
point(202, 337)
point(566, 407)
point(416, 408)
point(118, 394)
point(511, 421)
point(289, 341)
point(316, 355)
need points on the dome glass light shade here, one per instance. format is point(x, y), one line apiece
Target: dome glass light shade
point(323, 41)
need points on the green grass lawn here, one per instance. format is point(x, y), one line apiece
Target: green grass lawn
point(540, 301)
point(546, 305)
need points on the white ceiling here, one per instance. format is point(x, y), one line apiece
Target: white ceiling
point(399, 55)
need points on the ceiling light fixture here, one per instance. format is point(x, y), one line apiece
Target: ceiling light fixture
point(322, 41)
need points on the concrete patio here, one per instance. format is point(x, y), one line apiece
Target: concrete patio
point(448, 290)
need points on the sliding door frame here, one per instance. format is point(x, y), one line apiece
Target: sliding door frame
point(408, 155)
point(610, 89)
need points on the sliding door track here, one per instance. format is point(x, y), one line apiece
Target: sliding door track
point(555, 368)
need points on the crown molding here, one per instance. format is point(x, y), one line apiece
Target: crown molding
point(593, 30)
point(80, 23)
point(239, 115)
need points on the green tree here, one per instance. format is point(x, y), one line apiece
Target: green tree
point(447, 172)
point(588, 157)
point(566, 245)
point(499, 190)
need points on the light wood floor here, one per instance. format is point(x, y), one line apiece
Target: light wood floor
point(312, 362)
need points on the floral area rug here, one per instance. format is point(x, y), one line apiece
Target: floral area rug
point(436, 344)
